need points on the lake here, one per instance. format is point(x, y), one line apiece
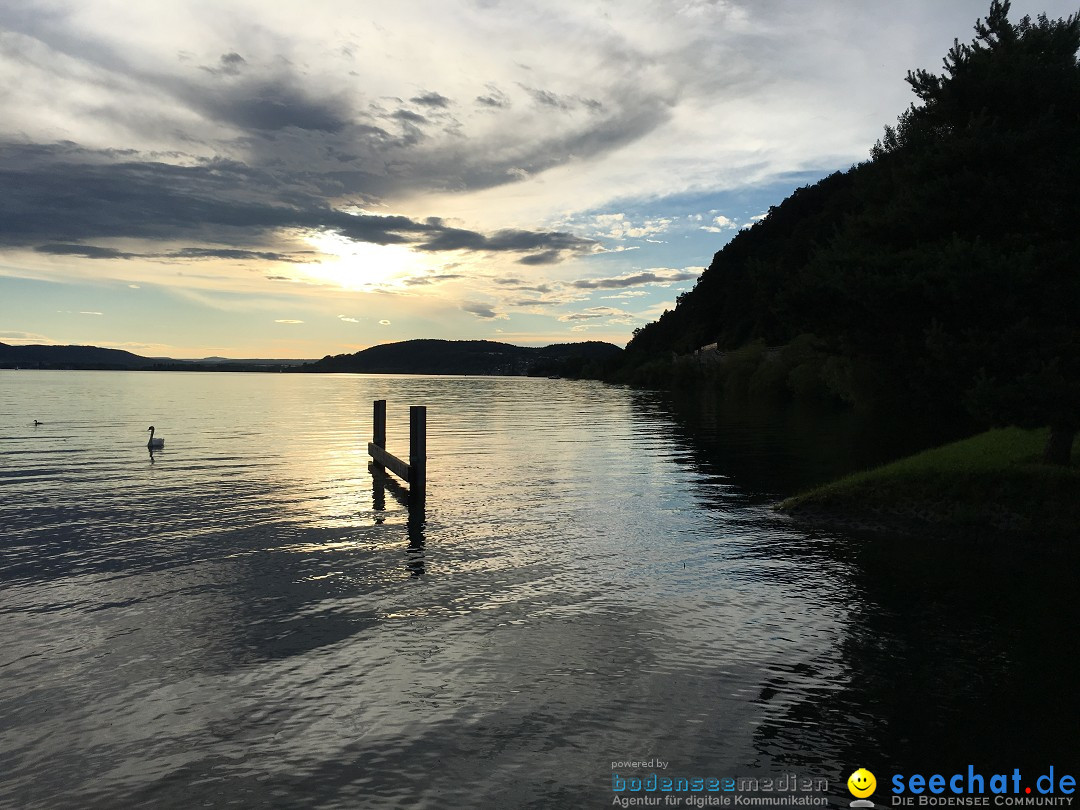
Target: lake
point(247, 619)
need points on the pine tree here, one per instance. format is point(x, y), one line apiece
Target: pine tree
point(988, 165)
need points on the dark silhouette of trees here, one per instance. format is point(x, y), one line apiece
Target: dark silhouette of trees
point(945, 271)
point(991, 159)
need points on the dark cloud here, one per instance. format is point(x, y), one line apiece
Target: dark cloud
point(545, 98)
point(546, 257)
point(431, 99)
point(230, 64)
point(230, 253)
point(318, 130)
point(479, 310)
point(408, 115)
point(328, 139)
point(61, 197)
point(522, 285)
point(84, 251)
point(97, 252)
point(455, 239)
point(647, 277)
point(553, 244)
point(599, 136)
point(537, 240)
point(419, 281)
point(495, 98)
point(268, 105)
point(583, 316)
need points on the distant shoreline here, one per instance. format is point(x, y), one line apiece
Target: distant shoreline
point(422, 356)
point(287, 370)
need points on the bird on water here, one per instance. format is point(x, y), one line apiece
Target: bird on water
point(155, 444)
point(36, 423)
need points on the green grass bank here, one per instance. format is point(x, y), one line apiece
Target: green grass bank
point(992, 484)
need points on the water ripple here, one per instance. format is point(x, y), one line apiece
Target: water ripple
point(244, 619)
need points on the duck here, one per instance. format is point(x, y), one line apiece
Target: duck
point(36, 423)
point(155, 444)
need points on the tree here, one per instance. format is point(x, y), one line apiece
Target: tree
point(967, 231)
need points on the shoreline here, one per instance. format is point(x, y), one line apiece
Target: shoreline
point(987, 487)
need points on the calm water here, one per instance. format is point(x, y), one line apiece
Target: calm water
point(245, 620)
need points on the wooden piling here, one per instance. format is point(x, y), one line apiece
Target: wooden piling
point(415, 472)
point(378, 432)
point(418, 451)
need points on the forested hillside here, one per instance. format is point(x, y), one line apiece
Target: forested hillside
point(941, 275)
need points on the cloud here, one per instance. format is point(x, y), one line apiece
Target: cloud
point(230, 64)
point(23, 337)
point(658, 276)
point(433, 278)
point(265, 103)
point(521, 285)
point(409, 116)
point(545, 257)
point(348, 318)
point(720, 224)
point(620, 226)
point(552, 244)
point(481, 310)
point(85, 251)
point(384, 323)
point(226, 202)
point(228, 253)
point(592, 313)
point(97, 252)
point(431, 99)
point(287, 320)
point(495, 98)
point(546, 98)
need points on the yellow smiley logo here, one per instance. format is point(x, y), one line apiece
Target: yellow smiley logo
point(861, 783)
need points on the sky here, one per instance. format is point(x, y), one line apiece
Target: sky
point(293, 179)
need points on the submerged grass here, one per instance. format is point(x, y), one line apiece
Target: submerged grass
point(993, 482)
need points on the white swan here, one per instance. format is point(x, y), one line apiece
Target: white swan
point(155, 444)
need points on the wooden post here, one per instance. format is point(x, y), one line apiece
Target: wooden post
point(418, 451)
point(378, 436)
point(414, 473)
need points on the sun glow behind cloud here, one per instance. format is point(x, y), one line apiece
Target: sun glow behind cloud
point(363, 266)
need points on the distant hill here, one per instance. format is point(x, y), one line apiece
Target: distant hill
point(482, 357)
point(70, 357)
point(96, 357)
